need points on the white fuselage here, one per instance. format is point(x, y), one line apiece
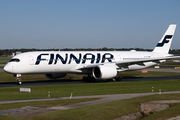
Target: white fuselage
point(44, 62)
point(99, 64)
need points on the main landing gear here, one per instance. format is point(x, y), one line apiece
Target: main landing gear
point(92, 79)
point(116, 79)
point(88, 79)
point(18, 78)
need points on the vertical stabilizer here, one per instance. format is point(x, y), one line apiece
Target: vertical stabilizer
point(164, 44)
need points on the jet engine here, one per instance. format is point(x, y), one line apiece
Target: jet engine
point(56, 75)
point(104, 72)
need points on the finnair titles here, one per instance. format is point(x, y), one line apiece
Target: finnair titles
point(98, 58)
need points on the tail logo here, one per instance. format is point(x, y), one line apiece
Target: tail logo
point(164, 41)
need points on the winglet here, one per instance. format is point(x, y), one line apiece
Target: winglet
point(164, 44)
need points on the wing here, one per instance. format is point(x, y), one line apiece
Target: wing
point(125, 63)
point(141, 61)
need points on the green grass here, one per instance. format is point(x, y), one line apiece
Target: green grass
point(48, 103)
point(103, 111)
point(110, 110)
point(1, 67)
point(5, 58)
point(90, 89)
point(3, 62)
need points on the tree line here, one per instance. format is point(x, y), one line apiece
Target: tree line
point(8, 52)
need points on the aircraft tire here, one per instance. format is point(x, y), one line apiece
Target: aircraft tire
point(84, 78)
point(118, 79)
point(19, 81)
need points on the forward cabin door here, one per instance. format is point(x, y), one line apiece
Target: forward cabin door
point(31, 60)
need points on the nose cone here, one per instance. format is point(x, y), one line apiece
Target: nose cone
point(7, 68)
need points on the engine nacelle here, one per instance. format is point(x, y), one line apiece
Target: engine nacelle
point(104, 72)
point(56, 75)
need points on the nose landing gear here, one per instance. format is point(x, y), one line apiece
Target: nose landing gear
point(18, 78)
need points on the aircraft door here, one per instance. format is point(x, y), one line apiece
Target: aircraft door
point(31, 60)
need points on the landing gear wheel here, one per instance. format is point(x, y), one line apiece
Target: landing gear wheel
point(19, 81)
point(84, 78)
point(118, 79)
point(88, 79)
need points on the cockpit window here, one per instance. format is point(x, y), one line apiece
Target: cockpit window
point(14, 60)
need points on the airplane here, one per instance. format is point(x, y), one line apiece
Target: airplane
point(96, 64)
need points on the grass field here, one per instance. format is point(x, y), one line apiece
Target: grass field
point(44, 103)
point(3, 61)
point(5, 58)
point(112, 110)
point(105, 111)
point(90, 89)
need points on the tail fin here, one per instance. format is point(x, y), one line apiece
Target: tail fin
point(164, 44)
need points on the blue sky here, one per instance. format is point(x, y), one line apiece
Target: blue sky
point(87, 23)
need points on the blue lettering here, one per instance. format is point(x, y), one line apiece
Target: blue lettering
point(105, 56)
point(98, 57)
point(92, 58)
point(51, 59)
point(39, 59)
point(75, 58)
point(62, 60)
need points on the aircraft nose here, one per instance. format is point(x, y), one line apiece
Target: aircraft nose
point(7, 68)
